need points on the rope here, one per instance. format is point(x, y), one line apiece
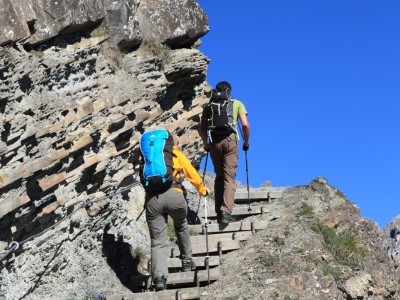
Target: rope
point(14, 245)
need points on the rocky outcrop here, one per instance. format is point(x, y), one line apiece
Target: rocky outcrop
point(36, 21)
point(391, 234)
point(177, 23)
point(315, 246)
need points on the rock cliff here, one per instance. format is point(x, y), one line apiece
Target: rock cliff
point(391, 234)
point(80, 80)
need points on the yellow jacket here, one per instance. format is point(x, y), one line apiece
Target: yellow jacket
point(182, 164)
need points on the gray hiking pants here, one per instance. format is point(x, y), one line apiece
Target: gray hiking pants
point(224, 154)
point(158, 208)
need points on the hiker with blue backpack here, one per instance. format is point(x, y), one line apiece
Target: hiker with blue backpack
point(160, 176)
point(218, 130)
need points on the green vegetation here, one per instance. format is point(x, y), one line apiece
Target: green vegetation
point(300, 251)
point(278, 240)
point(335, 272)
point(98, 31)
point(267, 259)
point(305, 210)
point(346, 249)
point(327, 269)
point(341, 194)
point(158, 50)
point(139, 254)
point(286, 232)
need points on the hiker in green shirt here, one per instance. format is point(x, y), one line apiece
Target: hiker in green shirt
point(218, 130)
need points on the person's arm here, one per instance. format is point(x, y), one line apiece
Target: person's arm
point(245, 130)
point(191, 173)
point(203, 131)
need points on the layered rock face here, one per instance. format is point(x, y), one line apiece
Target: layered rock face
point(177, 23)
point(391, 234)
point(80, 81)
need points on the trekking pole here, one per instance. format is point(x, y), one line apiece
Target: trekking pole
point(247, 177)
point(204, 174)
point(206, 228)
point(247, 171)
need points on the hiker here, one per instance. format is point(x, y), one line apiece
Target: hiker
point(169, 201)
point(218, 130)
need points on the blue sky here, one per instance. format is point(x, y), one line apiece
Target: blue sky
point(321, 83)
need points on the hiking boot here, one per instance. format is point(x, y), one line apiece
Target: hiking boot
point(188, 265)
point(226, 218)
point(219, 216)
point(160, 283)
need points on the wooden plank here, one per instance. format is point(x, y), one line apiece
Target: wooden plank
point(231, 227)
point(212, 247)
point(213, 261)
point(257, 194)
point(180, 278)
point(190, 277)
point(238, 211)
point(184, 293)
point(212, 238)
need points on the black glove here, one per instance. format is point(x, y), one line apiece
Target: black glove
point(246, 147)
point(207, 148)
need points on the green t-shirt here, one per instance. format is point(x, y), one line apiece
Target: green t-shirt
point(238, 109)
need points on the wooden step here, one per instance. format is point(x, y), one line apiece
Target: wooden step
point(213, 261)
point(239, 211)
point(143, 281)
point(231, 227)
point(215, 238)
point(184, 293)
point(227, 245)
point(192, 277)
point(257, 194)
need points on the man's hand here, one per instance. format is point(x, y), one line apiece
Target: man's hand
point(246, 147)
point(206, 147)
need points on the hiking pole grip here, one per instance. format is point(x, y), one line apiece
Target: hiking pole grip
point(205, 166)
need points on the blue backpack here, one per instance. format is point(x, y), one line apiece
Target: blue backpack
point(157, 169)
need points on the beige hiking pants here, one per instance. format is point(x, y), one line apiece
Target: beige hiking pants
point(224, 155)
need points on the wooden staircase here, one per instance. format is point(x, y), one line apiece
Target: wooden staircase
point(221, 239)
